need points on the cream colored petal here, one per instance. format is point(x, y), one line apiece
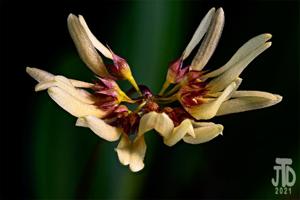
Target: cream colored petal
point(66, 85)
point(137, 156)
point(200, 124)
point(100, 128)
point(204, 134)
point(97, 44)
point(85, 94)
point(73, 105)
point(39, 75)
point(199, 33)
point(124, 150)
point(248, 100)
point(81, 84)
point(238, 82)
point(209, 109)
point(158, 121)
point(241, 54)
point(132, 153)
point(85, 47)
point(220, 82)
point(179, 132)
point(210, 41)
point(44, 85)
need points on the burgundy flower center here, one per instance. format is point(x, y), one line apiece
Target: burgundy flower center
point(192, 94)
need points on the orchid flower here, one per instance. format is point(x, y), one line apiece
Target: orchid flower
point(201, 94)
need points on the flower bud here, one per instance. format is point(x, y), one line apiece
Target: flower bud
point(176, 72)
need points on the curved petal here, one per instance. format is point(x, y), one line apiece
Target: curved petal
point(123, 150)
point(97, 44)
point(158, 121)
point(99, 127)
point(241, 54)
point(220, 82)
point(132, 153)
point(39, 75)
point(85, 48)
point(210, 41)
point(138, 152)
point(209, 109)
point(72, 105)
point(248, 100)
point(199, 33)
point(179, 132)
point(204, 134)
point(66, 85)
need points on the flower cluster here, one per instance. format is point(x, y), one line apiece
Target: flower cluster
point(201, 95)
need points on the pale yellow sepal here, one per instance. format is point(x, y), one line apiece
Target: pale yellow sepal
point(158, 121)
point(204, 134)
point(185, 128)
point(132, 153)
point(100, 128)
point(248, 100)
point(72, 105)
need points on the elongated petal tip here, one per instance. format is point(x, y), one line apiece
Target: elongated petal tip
point(268, 44)
point(38, 74)
point(248, 100)
point(220, 10)
point(97, 44)
point(210, 41)
point(85, 47)
point(268, 36)
point(199, 33)
point(278, 98)
point(70, 16)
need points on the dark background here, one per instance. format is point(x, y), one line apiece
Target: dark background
point(46, 156)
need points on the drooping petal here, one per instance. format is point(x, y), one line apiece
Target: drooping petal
point(220, 82)
point(100, 128)
point(97, 44)
point(204, 134)
point(248, 100)
point(199, 33)
point(85, 48)
point(132, 153)
point(179, 132)
point(210, 41)
point(72, 105)
point(207, 110)
point(158, 121)
point(138, 152)
point(241, 54)
point(39, 75)
point(124, 150)
point(66, 85)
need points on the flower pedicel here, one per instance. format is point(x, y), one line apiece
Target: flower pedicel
point(202, 95)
